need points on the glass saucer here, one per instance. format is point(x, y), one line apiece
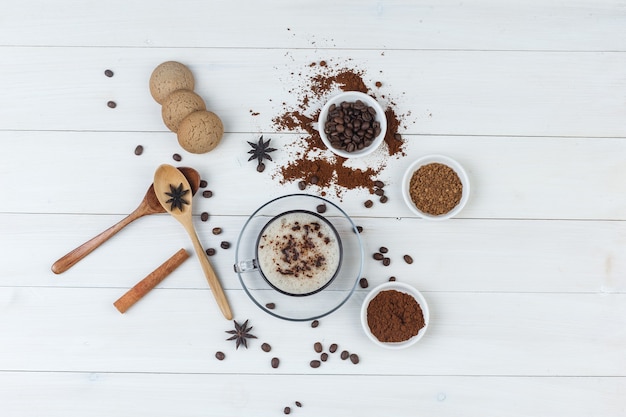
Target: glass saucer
point(318, 304)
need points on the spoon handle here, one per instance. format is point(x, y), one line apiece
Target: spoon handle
point(209, 273)
point(72, 258)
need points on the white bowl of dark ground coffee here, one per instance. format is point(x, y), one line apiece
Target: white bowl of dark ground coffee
point(299, 252)
point(435, 187)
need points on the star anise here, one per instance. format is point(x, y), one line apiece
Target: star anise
point(241, 334)
point(177, 194)
point(260, 151)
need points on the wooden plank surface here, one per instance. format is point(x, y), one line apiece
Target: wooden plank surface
point(526, 287)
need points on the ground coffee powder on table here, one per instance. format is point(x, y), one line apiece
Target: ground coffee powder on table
point(394, 316)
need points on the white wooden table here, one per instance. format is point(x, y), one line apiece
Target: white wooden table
point(527, 286)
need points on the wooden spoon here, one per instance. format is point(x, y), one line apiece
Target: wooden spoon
point(149, 205)
point(172, 190)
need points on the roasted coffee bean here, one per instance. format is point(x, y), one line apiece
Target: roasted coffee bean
point(397, 136)
point(216, 230)
point(203, 183)
point(302, 185)
point(138, 150)
point(204, 216)
point(266, 347)
point(225, 245)
point(379, 184)
point(359, 229)
point(210, 251)
point(321, 208)
point(392, 279)
point(363, 283)
point(260, 167)
point(314, 179)
point(386, 261)
point(176, 157)
point(315, 323)
point(324, 357)
point(384, 199)
point(345, 355)
point(108, 73)
point(333, 348)
point(383, 249)
point(220, 356)
point(368, 204)
point(378, 256)
point(318, 347)
point(379, 192)
point(207, 194)
point(354, 358)
point(287, 410)
point(315, 363)
point(298, 404)
point(112, 104)
point(408, 259)
point(275, 362)
point(270, 306)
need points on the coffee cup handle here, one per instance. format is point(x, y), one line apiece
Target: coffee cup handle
point(245, 266)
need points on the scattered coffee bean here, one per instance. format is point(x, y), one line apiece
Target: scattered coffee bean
point(138, 150)
point(386, 261)
point(354, 358)
point(314, 180)
point(203, 183)
point(260, 167)
point(363, 283)
point(275, 362)
point(408, 259)
point(210, 251)
point(220, 356)
point(378, 256)
point(368, 204)
point(176, 157)
point(270, 306)
point(302, 185)
point(204, 216)
point(207, 193)
point(321, 208)
point(266, 347)
point(379, 192)
point(216, 230)
point(225, 245)
point(379, 184)
point(317, 347)
point(351, 126)
point(333, 348)
point(287, 410)
point(359, 229)
point(384, 199)
point(345, 355)
point(112, 104)
point(108, 73)
point(315, 323)
point(298, 404)
point(324, 357)
point(397, 136)
point(383, 249)
point(392, 279)
point(315, 363)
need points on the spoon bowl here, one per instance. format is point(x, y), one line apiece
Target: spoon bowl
point(173, 192)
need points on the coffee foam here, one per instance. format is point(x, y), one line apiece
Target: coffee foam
point(298, 252)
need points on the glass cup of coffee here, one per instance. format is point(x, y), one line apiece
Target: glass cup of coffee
point(297, 253)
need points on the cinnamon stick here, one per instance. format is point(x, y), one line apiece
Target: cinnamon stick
point(133, 295)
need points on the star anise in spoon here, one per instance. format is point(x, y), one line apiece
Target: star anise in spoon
point(241, 334)
point(177, 194)
point(260, 151)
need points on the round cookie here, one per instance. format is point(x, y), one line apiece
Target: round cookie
point(200, 132)
point(178, 105)
point(169, 77)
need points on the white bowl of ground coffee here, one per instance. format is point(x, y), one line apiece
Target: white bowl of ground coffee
point(394, 315)
point(435, 187)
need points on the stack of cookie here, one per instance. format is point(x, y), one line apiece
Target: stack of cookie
point(184, 112)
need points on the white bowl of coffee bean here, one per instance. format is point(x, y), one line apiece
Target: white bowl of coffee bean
point(435, 187)
point(394, 315)
point(352, 124)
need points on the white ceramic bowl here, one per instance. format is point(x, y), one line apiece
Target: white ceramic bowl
point(441, 159)
point(407, 289)
point(352, 96)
